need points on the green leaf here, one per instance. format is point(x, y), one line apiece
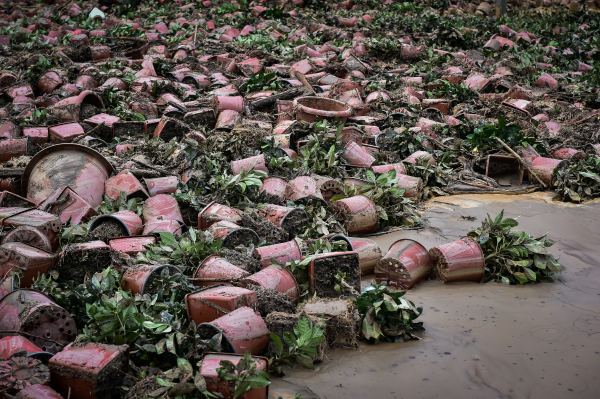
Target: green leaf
point(184, 365)
point(520, 277)
point(530, 274)
point(168, 238)
point(371, 176)
point(277, 342)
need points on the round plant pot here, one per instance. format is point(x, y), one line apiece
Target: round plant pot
point(406, 263)
point(312, 109)
point(460, 260)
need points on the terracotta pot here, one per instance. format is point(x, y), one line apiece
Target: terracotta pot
point(399, 167)
point(30, 236)
point(215, 270)
point(48, 82)
point(162, 185)
point(406, 263)
point(277, 278)
point(227, 120)
point(162, 205)
point(281, 253)
point(357, 155)
point(243, 331)
point(569, 153)
point(13, 148)
point(235, 103)
point(368, 251)
point(420, 155)
point(248, 164)
point(545, 168)
point(359, 213)
point(322, 286)
point(130, 221)
point(211, 303)
point(214, 212)
point(132, 245)
point(37, 135)
point(69, 109)
point(135, 279)
point(21, 346)
point(232, 234)
point(412, 186)
point(65, 203)
point(49, 224)
point(290, 219)
point(124, 182)
point(29, 260)
point(38, 391)
point(303, 188)
point(312, 109)
point(159, 224)
point(274, 186)
point(460, 260)
point(65, 133)
point(35, 313)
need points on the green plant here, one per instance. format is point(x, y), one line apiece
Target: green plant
point(181, 382)
point(322, 152)
point(34, 71)
point(483, 136)
point(121, 203)
point(302, 346)
point(386, 315)
point(578, 180)
point(245, 374)
point(262, 81)
point(513, 257)
point(460, 93)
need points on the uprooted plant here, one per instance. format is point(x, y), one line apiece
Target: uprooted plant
point(302, 346)
point(512, 256)
point(386, 315)
point(245, 374)
point(121, 203)
point(579, 180)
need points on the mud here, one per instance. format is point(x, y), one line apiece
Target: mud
point(484, 340)
point(77, 265)
point(266, 230)
point(108, 230)
point(88, 110)
point(143, 388)
point(294, 222)
point(280, 322)
point(244, 262)
point(326, 269)
point(269, 301)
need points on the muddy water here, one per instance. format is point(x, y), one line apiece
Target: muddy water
point(485, 340)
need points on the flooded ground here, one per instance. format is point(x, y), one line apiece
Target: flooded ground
point(485, 340)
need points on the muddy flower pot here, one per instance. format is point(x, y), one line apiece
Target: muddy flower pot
point(127, 183)
point(84, 259)
point(418, 155)
point(220, 103)
point(36, 315)
point(18, 346)
point(21, 372)
point(356, 155)
point(506, 168)
point(216, 385)
point(80, 168)
point(274, 187)
point(211, 303)
point(29, 260)
point(545, 168)
point(132, 245)
point(398, 167)
point(162, 185)
point(328, 186)
point(65, 203)
point(292, 220)
point(214, 212)
point(77, 108)
point(359, 214)
point(277, 278)
point(129, 129)
point(545, 80)
point(139, 278)
point(30, 236)
point(13, 148)
point(105, 132)
point(7, 285)
point(227, 120)
point(160, 224)
point(460, 260)
point(232, 235)
point(312, 109)
point(216, 270)
point(8, 199)
point(9, 130)
point(368, 251)
point(569, 153)
point(406, 263)
point(323, 269)
point(36, 135)
point(162, 205)
point(281, 253)
point(303, 189)
point(248, 164)
point(89, 370)
point(45, 222)
point(65, 133)
point(412, 186)
point(119, 224)
point(38, 391)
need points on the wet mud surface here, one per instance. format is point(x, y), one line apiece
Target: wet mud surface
point(484, 340)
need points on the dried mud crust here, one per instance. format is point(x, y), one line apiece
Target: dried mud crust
point(266, 230)
point(135, 129)
point(244, 262)
point(107, 230)
point(88, 110)
point(270, 301)
point(279, 322)
point(342, 329)
point(326, 269)
point(295, 222)
point(76, 265)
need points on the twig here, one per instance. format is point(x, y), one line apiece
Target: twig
point(521, 160)
point(300, 76)
point(196, 31)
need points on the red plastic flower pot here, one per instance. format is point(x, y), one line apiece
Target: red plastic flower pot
point(65, 203)
point(138, 279)
point(7, 285)
point(231, 234)
point(211, 303)
point(18, 346)
point(253, 163)
point(127, 183)
point(313, 109)
point(48, 82)
point(69, 109)
point(359, 214)
point(9, 130)
point(13, 148)
point(545, 168)
point(412, 186)
point(30, 260)
point(30, 236)
point(368, 251)
point(545, 80)
point(227, 119)
point(377, 96)
point(76, 166)
point(243, 331)
point(328, 186)
point(45, 222)
point(20, 372)
point(323, 267)
point(132, 245)
point(290, 219)
point(217, 385)
point(159, 224)
point(163, 205)
point(303, 188)
point(36, 135)
point(277, 278)
point(39, 318)
point(130, 221)
point(569, 153)
point(281, 253)
point(38, 391)
point(398, 167)
point(65, 133)
point(216, 270)
point(100, 52)
point(162, 185)
point(274, 186)
point(221, 103)
point(89, 370)
point(406, 263)
point(9, 199)
point(214, 212)
point(418, 155)
point(356, 155)
point(460, 260)
point(105, 132)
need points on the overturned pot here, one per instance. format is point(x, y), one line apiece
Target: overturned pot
point(460, 260)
